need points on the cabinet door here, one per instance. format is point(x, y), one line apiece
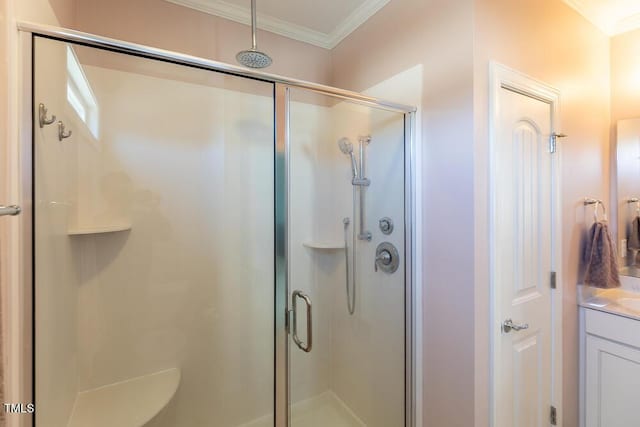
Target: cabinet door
point(612, 382)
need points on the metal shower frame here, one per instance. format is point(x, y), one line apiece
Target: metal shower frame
point(282, 86)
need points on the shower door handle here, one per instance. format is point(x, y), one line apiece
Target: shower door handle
point(306, 347)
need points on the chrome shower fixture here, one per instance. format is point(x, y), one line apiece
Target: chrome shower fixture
point(253, 58)
point(361, 181)
point(350, 280)
point(347, 148)
point(358, 179)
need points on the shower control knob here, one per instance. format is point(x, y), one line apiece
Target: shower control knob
point(386, 225)
point(387, 258)
point(384, 257)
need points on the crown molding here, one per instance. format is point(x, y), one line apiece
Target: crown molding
point(288, 29)
point(628, 24)
point(356, 18)
point(609, 28)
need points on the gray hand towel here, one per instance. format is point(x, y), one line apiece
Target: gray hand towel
point(600, 258)
point(634, 239)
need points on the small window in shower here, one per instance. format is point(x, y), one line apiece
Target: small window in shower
point(79, 93)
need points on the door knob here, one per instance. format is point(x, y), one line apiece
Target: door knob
point(508, 325)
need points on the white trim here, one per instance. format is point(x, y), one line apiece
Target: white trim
point(610, 28)
point(17, 262)
point(288, 29)
point(354, 20)
point(500, 77)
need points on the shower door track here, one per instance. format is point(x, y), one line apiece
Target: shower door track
point(282, 86)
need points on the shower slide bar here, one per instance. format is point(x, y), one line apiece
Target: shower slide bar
point(362, 181)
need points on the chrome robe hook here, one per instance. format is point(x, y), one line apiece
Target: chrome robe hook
point(42, 116)
point(61, 133)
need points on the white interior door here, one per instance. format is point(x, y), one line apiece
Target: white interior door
point(523, 251)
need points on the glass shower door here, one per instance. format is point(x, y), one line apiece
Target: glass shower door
point(346, 263)
point(154, 237)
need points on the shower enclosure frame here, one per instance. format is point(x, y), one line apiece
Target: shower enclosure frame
point(23, 387)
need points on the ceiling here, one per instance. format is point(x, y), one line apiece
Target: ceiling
point(611, 16)
point(321, 23)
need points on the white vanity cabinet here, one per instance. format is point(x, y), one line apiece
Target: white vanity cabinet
point(610, 365)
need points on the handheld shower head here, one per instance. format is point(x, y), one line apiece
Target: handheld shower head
point(345, 145)
point(347, 148)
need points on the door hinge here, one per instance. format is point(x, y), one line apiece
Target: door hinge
point(553, 280)
point(553, 141)
point(553, 416)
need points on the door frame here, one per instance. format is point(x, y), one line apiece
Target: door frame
point(502, 77)
point(17, 259)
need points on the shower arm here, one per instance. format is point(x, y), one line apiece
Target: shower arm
point(254, 38)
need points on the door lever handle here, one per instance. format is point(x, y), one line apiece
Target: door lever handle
point(508, 326)
point(12, 210)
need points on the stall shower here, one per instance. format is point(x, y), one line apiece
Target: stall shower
point(195, 228)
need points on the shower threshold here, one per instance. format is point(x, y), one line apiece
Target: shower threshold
point(325, 409)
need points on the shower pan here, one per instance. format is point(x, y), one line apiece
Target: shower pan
point(192, 230)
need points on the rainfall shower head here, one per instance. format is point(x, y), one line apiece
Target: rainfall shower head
point(253, 58)
point(347, 148)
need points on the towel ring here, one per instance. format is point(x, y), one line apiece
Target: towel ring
point(590, 201)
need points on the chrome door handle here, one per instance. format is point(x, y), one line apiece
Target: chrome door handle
point(306, 347)
point(10, 210)
point(508, 325)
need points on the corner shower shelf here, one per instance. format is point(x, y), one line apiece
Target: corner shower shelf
point(130, 403)
point(326, 246)
point(76, 231)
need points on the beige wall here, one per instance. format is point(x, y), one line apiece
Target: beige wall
point(625, 76)
point(554, 44)
point(162, 24)
point(51, 12)
point(404, 34)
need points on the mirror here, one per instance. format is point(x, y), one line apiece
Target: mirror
point(628, 177)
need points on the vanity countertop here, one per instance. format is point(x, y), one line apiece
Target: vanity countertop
point(621, 302)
